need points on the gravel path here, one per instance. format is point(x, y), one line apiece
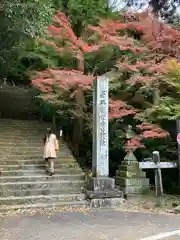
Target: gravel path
point(91, 225)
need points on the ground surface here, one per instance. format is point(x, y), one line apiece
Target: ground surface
point(89, 225)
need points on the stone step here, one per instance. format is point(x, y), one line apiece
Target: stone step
point(61, 153)
point(7, 122)
point(19, 125)
point(23, 147)
point(25, 143)
point(37, 166)
point(24, 124)
point(39, 172)
point(26, 147)
point(34, 157)
point(58, 161)
point(54, 205)
point(26, 132)
point(23, 134)
point(43, 185)
point(41, 199)
point(39, 129)
point(36, 136)
point(39, 191)
point(35, 141)
point(56, 177)
point(21, 138)
point(31, 155)
point(25, 139)
point(23, 127)
point(17, 128)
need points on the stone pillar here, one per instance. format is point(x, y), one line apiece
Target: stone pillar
point(101, 190)
point(100, 128)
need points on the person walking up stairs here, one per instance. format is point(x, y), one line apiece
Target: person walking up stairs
point(50, 148)
point(23, 180)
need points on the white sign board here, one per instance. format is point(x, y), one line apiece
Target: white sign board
point(152, 165)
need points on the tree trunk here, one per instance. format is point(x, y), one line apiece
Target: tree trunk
point(156, 97)
point(79, 122)
point(80, 104)
point(81, 62)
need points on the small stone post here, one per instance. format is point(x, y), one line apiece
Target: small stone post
point(158, 179)
point(101, 190)
point(60, 136)
point(130, 178)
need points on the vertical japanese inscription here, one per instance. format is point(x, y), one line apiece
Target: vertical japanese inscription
point(103, 118)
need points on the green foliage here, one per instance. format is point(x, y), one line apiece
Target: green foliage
point(169, 107)
point(20, 21)
point(32, 55)
point(83, 12)
point(29, 18)
point(86, 11)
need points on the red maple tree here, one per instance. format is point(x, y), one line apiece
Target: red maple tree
point(119, 109)
point(63, 39)
point(157, 43)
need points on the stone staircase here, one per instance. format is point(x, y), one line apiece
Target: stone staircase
point(23, 181)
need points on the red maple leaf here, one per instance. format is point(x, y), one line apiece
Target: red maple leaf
point(119, 109)
point(134, 144)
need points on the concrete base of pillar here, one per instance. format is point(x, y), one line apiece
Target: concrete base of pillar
point(106, 202)
point(101, 193)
